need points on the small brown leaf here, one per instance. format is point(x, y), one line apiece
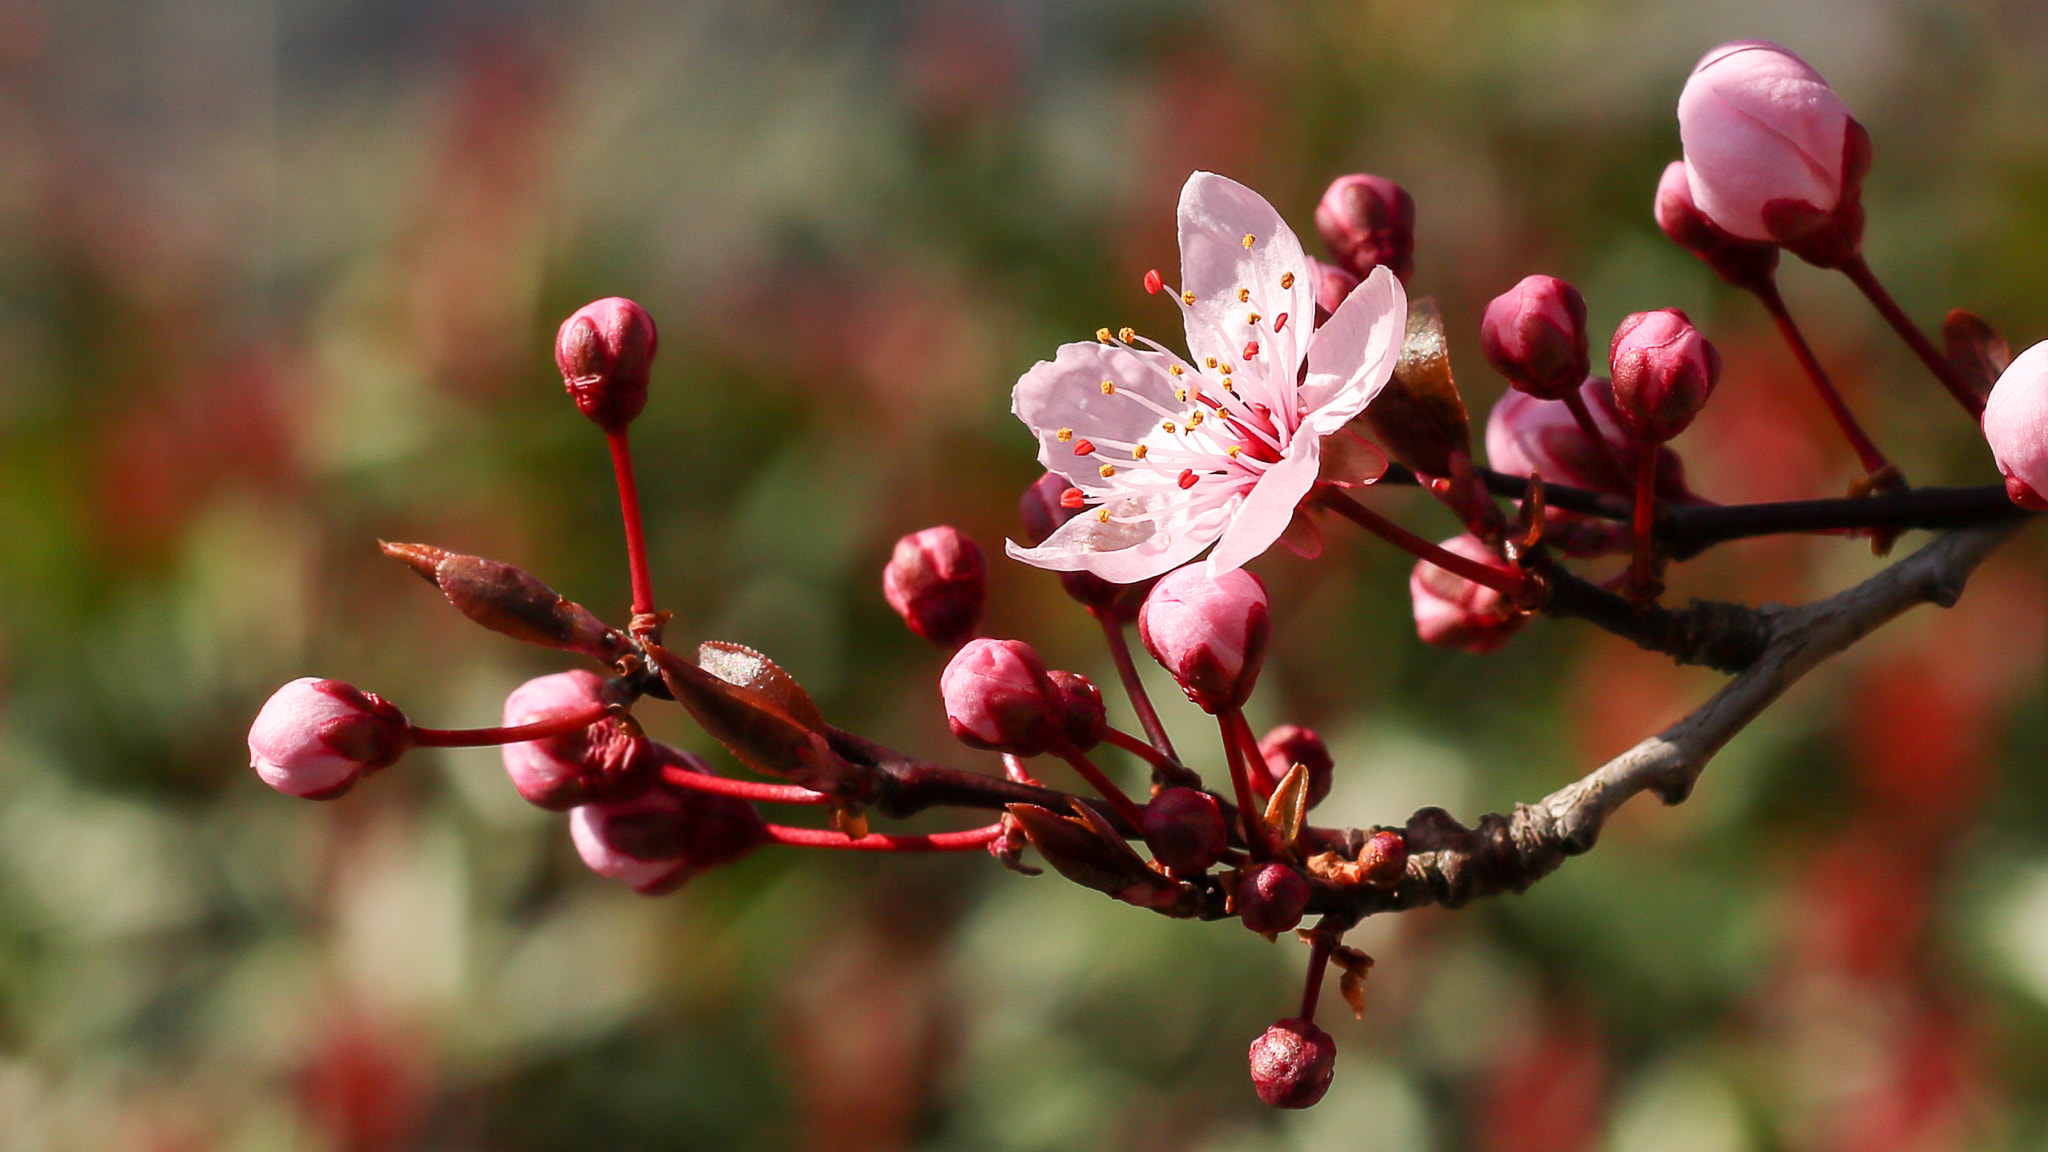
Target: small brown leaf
point(1976, 349)
point(1086, 851)
point(1350, 460)
point(1419, 418)
point(510, 600)
point(1289, 805)
point(741, 665)
point(756, 729)
point(853, 825)
point(1356, 965)
point(1301, 536)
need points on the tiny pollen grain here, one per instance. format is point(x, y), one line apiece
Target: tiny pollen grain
point(1244, 295)
point(1211, 362)
point(1166, 425)
point(1102, 515)
point(1109, 387)
point(1287, 280)
point(1140, 451)
point(1106, 471)
point(1174, 369)
point(1066, 434)
point(1187, 297)
point(1126, 334)
point(1233, 451)
point(1247, 241)
point(1102, 334)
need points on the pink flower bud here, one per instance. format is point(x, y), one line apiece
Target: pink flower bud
point(1210, 633)
point(1367, 221)
point(1664, 370)
point(662, 837)
point(1743, 263)
point(605, 350)
point(1527, 436)
point(1292, 1064)
point(1332, 286)
point(606, 762)
point(1185, 830)
point(937, 581)
point(1082, 713)
point(1384, 859)
point(1282, 749)
point(2016, 425)
point(1271, 898)
point(1771, 152)
point(998, 697)
point(315, 738)
point(1043, 510)
point(1535, 335)
point(1453, 612)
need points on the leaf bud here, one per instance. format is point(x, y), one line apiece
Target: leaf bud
point(938, 582)
point(511, 600)
point(605, 350)
point(1383, 861)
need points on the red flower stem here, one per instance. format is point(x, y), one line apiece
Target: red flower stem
point(1312, 989)
point(556, 725)
point(1507, 583)
point(1867, 451)
point(1127, 671)
point(1584, 417)
point(1138, 748)
point(1104, 786)
point(1241, 785)
point(1859, 273)
point(636, 535)
point(884, 842)
point(741, 789)
point(1640, 576)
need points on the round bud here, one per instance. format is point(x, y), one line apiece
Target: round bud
point(998, 697)
point(1384, 859)
point(1282, 749)
point(1367, 221)
point(1209, 632)
point(1082, 713)
point(605, 350)
point(1743, 263)
point(1292, 1063)
point(2016, 426)
point(1453, 612)
point(1332, 286)
point(1535, 335)
point(662, 837)
point(1185, 830)
point(1664, 370)
point(606, 762)
point(938, 582)
point(1044, 509)
point(315, 738)
point(1271, 898)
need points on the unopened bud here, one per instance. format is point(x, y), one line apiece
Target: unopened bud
point(2016, 427)
point(1332, 285)
point(510, 600)
point(1211, 633)
point(998, 697)
point(1664, 370)
point(1082, 713)
point(605, 350)
point(1271, 898)
point(1535, 335)
point(1185, 830)
point(1282, 749)
point(1043, 511)
point(938, 582)
point(607, 762)
point(1384, 859)
point(315, 738)
point(1743, 263)
point(1292, 1063)
point(1526, 436)
point(1368, 221)
point(667, 834)
point(1453, 612)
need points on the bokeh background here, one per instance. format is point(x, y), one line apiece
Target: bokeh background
point(278, 279)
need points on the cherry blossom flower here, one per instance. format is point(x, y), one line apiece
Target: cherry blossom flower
point(1171, 454)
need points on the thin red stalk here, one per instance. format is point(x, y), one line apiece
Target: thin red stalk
point(883, 841)
point(1104, 786)
point(1127, 671)
point(1584, 417)
point(1867, 451)
point(1312, 989)
point(557, 725)
point(1137, 747)
point(1504, 581)
point(1640, 575)
point(636, 535)
point(742, 789)
point(1859, 273)
point(1241, 785)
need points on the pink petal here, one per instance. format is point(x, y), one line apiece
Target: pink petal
point(1216, 214)
point(1351, 357)
point(1266, 510)
point(1066, 393)
point(1123, 553)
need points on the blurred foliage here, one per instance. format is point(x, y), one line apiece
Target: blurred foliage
point(279, 279)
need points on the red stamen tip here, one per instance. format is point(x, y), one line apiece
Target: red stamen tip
point(1251, 350)
point(1280, 322)
point(1084, 447)
point(1187, 477)
point(1073, 498)
point(1153, 283)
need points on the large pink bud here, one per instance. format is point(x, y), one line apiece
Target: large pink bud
point(1527, 436)
point(1292, 1064)
point(1453, 612)
point(605, 350)
point(604, 762)
point(2016, 425)
point(1368, 221)
point(1772, 152)
point(1209, 632)
point(1664, 370)
point(665, 835)
point(315, 738)
point(1743, 263)
point(938, 582)
point(999, 697)
point(1535, 335)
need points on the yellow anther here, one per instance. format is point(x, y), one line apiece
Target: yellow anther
point(1167, 425)
point(1227, 369)
point(1140, 451)
point(1233, 450)
point(1174, 369)
point(1253, 319)
point(1211, 361)
point(1180, 394)
point(1244, 294)
point(1109, 387)
point(1106, 471)
point(1126, 334)
point(1102, 515)
point(1247, 241)
point(1187, 297)
point(1066, 434)
point(1194, 419)
point(1102, 334)
point(1287, 280)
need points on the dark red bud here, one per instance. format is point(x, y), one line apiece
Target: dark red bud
point(605, 350)
point(1081, 708)
point(1292, 1063)
point(1271, 898)
point(1185, 830)
point(1664, 370)
point(938, 582)
point(1384, 859)
point(1535, 335)
point(1368, 221)
point(1282, 749)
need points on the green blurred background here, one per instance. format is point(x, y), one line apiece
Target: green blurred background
point(279, 279)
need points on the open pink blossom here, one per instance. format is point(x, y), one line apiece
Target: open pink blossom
point(1172, 455)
